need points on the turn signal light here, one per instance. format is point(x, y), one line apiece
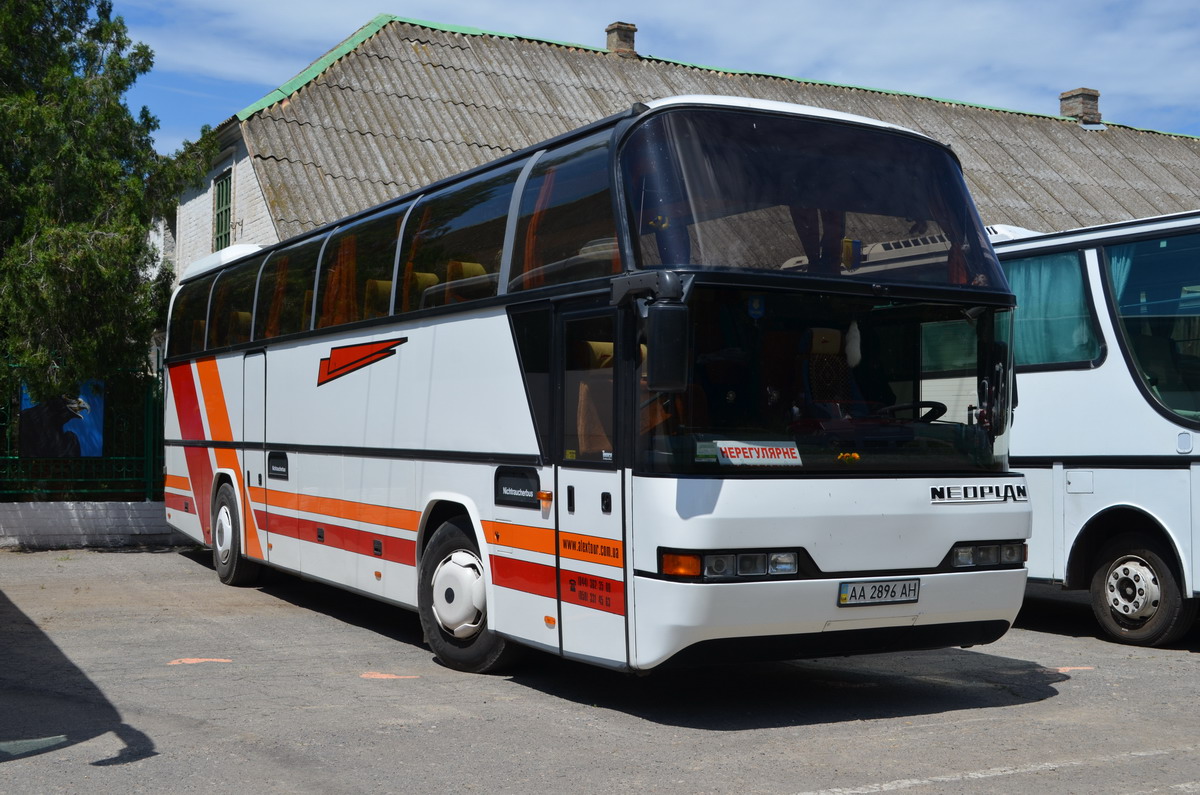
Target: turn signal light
point(680, 565)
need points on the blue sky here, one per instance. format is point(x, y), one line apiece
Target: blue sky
point(214, 58)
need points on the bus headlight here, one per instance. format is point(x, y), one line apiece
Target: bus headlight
point(729, 566)
point(977, 555)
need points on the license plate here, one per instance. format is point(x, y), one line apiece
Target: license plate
point(878, 592)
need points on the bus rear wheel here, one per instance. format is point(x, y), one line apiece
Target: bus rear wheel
point(232, 568)
point(1136, 595)
point(452, 602)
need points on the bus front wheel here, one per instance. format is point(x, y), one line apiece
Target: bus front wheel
point(452, 602)
point(232, 568)
point(1136, 596)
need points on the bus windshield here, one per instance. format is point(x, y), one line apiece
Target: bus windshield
point(726, 189)
point(796, 383)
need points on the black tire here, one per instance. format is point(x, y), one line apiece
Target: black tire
point(1136, 595)
point(231, 566)
point(455, 620)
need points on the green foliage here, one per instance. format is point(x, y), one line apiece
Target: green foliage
point(80, 189)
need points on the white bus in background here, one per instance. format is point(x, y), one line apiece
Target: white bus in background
point(652, 391)
point(1107, 432)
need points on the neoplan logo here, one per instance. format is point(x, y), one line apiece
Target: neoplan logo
point(348, 358)
point(972, 494)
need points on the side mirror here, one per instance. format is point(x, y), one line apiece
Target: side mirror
point(668, 362)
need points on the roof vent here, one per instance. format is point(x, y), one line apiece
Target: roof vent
point(620, 39)
point(1081, 104)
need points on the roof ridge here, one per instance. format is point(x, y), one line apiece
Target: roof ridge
point(352, 42)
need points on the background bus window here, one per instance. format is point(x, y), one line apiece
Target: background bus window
point(233, 304)
point(1157, 291)
point(566, 231)
point(357, 268)
point(285, 293)
point(188, 317)
point(588, 390)
point(1053, 322)
point(453, 242)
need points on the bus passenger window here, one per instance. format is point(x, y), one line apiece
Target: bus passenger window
point(356, 270)
point(566, 232)
point(285, 292)
point(233, 304)
point(454, 240)
point(188, 317)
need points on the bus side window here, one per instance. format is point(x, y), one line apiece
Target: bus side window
point(356, 270)
point(588, 390)
point(285, 292)
point(454, 240)
point(566, 231)
point(1053, 324)
point(188, 317)
point(233, 304)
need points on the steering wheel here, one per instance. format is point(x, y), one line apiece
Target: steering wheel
point(933, 409)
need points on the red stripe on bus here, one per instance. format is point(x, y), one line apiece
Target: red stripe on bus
point(521, 575)
point(191, 428)
point(359, 542)
point(180, 502)
point(597, 593)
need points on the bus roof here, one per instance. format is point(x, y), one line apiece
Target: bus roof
point(1100, 231)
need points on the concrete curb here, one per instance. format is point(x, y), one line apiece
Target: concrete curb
point(73, 525)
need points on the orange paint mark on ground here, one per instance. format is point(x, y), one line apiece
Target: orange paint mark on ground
point(194, 660)
point(377, 675)
point(1069, 668)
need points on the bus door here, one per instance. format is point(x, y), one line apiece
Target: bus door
point(254, 430)
point(589, 497)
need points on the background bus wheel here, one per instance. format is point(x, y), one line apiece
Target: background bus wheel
point(452, 602)
point(1135, 595)
point(232, 568)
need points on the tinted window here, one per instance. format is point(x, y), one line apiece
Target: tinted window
point(756, 191)
point(188, 317)
point(285, 293)
point(233, 304)
point(454, 240)
point(566, 230)
point(356, 270)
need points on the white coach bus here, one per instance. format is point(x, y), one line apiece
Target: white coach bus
point(1107, 346)
point(712, 378)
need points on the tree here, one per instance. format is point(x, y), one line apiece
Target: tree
point(81, 186)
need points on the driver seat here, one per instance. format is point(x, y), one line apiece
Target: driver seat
point(830, 391)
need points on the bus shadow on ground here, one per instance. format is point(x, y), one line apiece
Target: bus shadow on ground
point(49, 703)
point(804, 692)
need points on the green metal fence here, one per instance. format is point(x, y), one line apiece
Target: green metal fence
point(129, 469)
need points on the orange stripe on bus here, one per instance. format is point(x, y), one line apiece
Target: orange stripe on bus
point(606, 551)
point(177, 482)
point(400, 518)
point(519, 536)
point(219, 430)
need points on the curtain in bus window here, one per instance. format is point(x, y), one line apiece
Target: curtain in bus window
point(340, 301)
point(275, 313)
point(1053, 322)
point(1120, 264)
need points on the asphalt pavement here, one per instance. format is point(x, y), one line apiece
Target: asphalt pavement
point(140, 672)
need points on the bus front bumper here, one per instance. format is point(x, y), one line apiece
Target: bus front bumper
point(690, 623)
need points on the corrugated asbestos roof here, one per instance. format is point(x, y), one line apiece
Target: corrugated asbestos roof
point(402, 103)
